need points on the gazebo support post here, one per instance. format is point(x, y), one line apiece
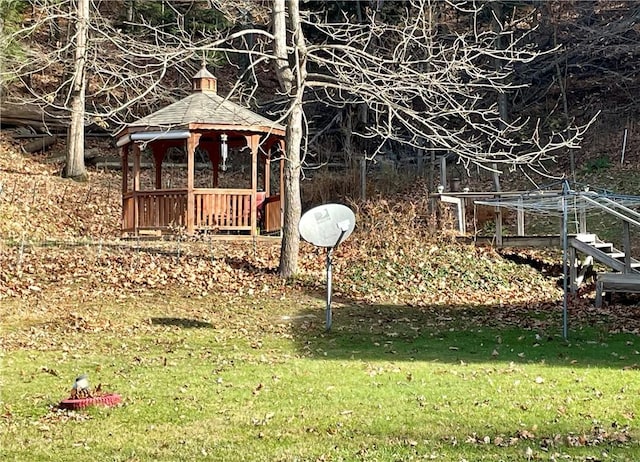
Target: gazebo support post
point(125, 183)
point(267, 174)
point(136, 187)
point(253, 142)
point(125, 168)
point(192, 143)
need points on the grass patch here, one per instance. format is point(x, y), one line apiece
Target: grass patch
point(252, 378)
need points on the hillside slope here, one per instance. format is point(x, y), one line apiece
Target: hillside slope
point(59, 237)
point(37, 204)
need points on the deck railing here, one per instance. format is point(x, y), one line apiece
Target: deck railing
point(214, 209)
point(224, 209)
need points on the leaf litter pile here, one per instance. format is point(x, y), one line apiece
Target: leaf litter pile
point(60, 242)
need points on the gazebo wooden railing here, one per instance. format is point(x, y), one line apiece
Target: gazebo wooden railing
point(214, 209)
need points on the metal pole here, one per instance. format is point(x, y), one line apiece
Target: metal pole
point(363, 179)
point(624, 146)
point(328, 309)
point(565, 245)
point(329, 253)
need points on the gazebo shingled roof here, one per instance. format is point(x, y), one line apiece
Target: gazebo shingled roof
point(204, 108)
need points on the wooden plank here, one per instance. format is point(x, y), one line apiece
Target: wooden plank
point(233, 212)
point(248, 212)
point(273, 214)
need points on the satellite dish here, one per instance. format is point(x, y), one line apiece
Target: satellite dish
point(327, 225)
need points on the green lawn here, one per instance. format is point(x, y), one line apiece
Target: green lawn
point(238, 378)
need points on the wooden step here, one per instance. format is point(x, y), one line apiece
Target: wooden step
point(587, 238)
point(602, 245)
point(616, 282)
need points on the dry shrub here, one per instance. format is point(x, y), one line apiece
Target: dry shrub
point(325, 186)
point(401, 221)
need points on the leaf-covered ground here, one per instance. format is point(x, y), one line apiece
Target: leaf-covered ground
point(59, 240)
point(217, 358)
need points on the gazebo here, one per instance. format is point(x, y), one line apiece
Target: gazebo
point(231, 182)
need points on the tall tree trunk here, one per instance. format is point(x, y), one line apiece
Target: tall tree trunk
point(75, 167)
point(291, 82)
point(292, 202)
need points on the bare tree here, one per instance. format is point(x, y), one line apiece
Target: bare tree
point(422, 85)
point(291, 72)
point(75, 167)
point(425, 82)
point(125, 64)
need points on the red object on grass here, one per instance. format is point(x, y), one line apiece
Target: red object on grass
point(80, 403)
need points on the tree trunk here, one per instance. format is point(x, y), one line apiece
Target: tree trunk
point(292, 203)
point(75, 167)
point(292, 83)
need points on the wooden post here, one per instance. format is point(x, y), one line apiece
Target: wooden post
point(267, 174)
point(124, 223)
point(136, 187)
point(192, 143)
point(253, 142)
point(626, 245)
point(125, 168)
point(582, 219)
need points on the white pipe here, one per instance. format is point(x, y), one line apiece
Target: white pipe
point(152, 136)
point(169, 135)
point(124, 140)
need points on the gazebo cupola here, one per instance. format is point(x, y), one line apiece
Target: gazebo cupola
point(205, 130)
point(204, 81)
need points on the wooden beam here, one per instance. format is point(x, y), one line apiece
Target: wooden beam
point(125, 185)
point(125, 168)
point(267, 176)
